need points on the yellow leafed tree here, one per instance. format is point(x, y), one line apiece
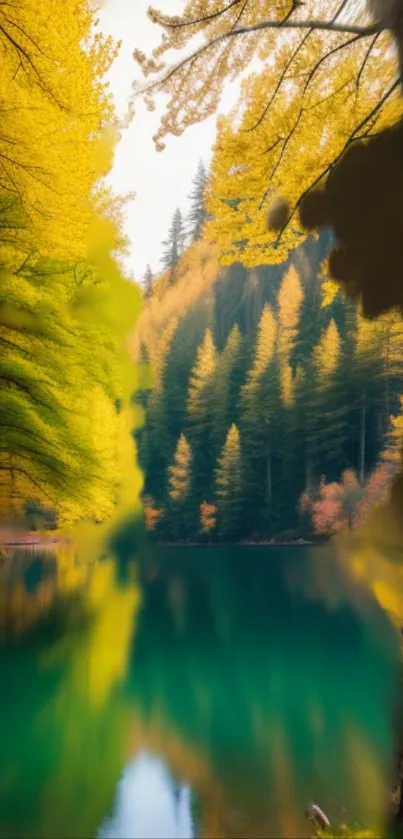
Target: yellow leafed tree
point(179, 472)
point(328, 77)
point(55, 110)
point(327, 353)
point(265, 347)
point(65, 307)
point(290, 297)
point(202, 374)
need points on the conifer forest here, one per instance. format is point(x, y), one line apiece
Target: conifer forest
point(275, 409)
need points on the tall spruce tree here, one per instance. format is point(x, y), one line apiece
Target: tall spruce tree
point(260, 415)
point(200, 413)
point(290, 299)
point(179, 508)
point(228, 483)
point(179, 472)
point(174, 245)
point(148, 283)
point(226, 386)
point(326, 411)
point(368, 373)
point(198, 214)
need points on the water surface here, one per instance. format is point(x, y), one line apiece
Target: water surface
point(192, 692)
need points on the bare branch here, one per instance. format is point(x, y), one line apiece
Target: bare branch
point(22, 471)
point(319, 26)
point(238, 17)
point(280, 157)
point(273, 145)
point(204, 19)
point(24, 33)
point(22, 53)
point(340, 10)
point(286, 141)
point(354, 137)
point(367, 55)
point(279, 83)
point(324, 58)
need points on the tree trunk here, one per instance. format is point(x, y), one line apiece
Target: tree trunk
point(269, 485)
point(308, 475)
point(362, 439)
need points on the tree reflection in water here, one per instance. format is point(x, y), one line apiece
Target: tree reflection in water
point(257, 679)
point(252, 677)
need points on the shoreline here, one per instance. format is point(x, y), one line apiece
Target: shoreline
point(46, 541)
point(31, 541)
point(300, 543)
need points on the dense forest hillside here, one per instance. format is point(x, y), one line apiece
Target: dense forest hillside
point(274, 406)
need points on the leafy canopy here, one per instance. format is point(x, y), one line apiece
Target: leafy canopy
point(326, 77)
point(65, 306)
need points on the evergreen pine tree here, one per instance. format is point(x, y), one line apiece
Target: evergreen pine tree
point(368, 387)
point(182, 518)
point(174, 245)
point(198, 213)
point(289, 301)
point(159, 440)
point(148, 283)
point(226, 386)
point(261, 424)
point(228, 483)
point(202, 373)
point(392, 454)
point(391, 329)
point(325, 427)
point(200, 414)
point(179, 472)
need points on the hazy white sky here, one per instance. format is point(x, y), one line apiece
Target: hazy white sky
point(162, 180)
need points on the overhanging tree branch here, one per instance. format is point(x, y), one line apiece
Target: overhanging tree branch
point(354, 137)
point(203, 19)
point(279, 83)
point(314, 25)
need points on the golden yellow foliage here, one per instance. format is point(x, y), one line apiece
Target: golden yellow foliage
point(202, 373)
point(179, 472)
point(328, 77)
point(396, 436)
point(207, 516)
point(265, 346)
point(327, 352)
point(287, 384)
point(151, 513)
point(289, 300)
point(55, 110)
point(64, 305)
point(197, 271)
point(330, 289)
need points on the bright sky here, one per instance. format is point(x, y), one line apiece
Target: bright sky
point(161, 181)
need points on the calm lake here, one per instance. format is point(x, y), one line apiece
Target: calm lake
point(193, 692)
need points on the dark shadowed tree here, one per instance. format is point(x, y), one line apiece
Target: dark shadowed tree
point(174, 245)
point(148, 283)
point(198, 213)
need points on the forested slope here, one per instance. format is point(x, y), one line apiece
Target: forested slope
point(271, 406)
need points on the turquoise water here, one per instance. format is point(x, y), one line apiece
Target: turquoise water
point(193, 692)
